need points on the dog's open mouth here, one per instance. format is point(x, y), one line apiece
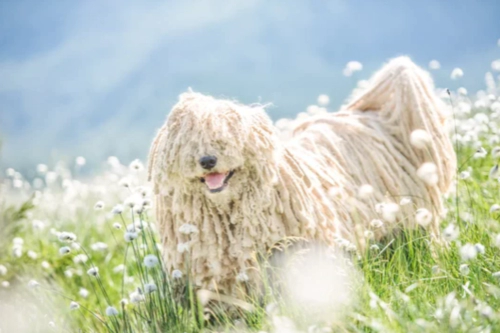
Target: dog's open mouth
point(216, 181)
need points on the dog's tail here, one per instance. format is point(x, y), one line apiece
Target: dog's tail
point(403, 96)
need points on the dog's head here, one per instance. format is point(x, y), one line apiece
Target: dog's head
point(215, 147)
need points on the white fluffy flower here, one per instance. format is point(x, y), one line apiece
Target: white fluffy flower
point(479, 248)
point(323, 100)
point(495, 152)
point(3, 270)
point(176, 274)
point(376, 224)
point(64, 250)
point(423, 217)
point(480, 153)
point(67, 237)
point(420, 138)
point(405, 201)
point(464, 269)
point(130, 236)
point(94, 271)
point(428, 173)
point(242, 277)
point(188, 229)
point(464, 175)
point(495, 65)
point(111, 311)
point(99, 205)
point(136, 165)
point(365, 191)
point(451, 232)
point(457, 73)
point(494, 171)
point(99, 246)
point(150, 287)
point(151, 260)
point(117, 225)
point(38, 225)
point(83, 292)
point(468, 252)
point(390, 211)
point(434, 64)
point(462, 91)
point(33, 284)
point(74, 305)
point(137, 296)
point(494, 208)
point(117, 209)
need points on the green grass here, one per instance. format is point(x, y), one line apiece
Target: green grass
point(405, 286)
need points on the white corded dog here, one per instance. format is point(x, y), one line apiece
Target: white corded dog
point(226, 186)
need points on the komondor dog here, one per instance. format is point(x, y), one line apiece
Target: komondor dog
point(227, 185)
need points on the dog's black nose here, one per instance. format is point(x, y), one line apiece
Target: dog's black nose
point(208, 162)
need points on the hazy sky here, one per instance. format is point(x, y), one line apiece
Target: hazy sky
point(97, 78)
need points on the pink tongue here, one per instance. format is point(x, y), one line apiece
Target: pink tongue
point(215, 180)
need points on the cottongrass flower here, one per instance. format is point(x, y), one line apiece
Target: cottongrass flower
point(68, 273)
point(33, 284)
point(117, 209)
point(80, 160)
point(479, 248)
point(94, 271)
point(464, 175)
point(45, 265)
point(99, 246)
point(80, 258)
point(130, 236)
point(462, 91)
point(468, 252)
point(188, 229)
point(496, 275)
point(480, 153)
point(137, 296)
point(176, 274)
point(323, 100)
point(495, 152)
point(434, 64)
point(420, 138)
point(428, 173)
point(242, 277)
point(494, 171)
point(451, 232)
point(99, 205)
point(74, 305)
point(150, 288)
point(183, 247)
point(67, 237)
point(38, 225)
point(374, 247)
point(405, 201)
point(464, 269)
point(32, 255)
point(423, 217)
point(123, 302)
point(118, 269)
point(369, 234)
point(5, 284)
point(125, 182)
point(495, 65)
point(3, 270)
point(496, 242)
point(390, 211)
point(117, 225)
point(376, 224)
point(457, 73)
point(365, 191)
point(83, 292)
point(494, 208)
point(151, 261)
point(64, 250)
point(136, 165)
point(111, 311)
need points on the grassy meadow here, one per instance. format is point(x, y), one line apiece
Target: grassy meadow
point(82, 254)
